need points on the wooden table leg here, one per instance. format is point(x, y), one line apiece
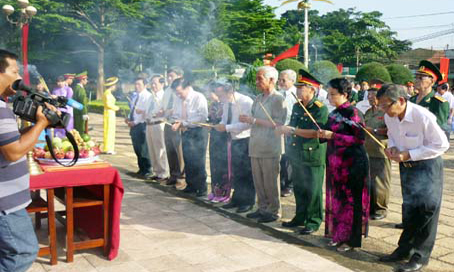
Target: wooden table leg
point(69, 225)
point(106, 218)
point(51, 225)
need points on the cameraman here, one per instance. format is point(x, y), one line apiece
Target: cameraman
point(18, 243)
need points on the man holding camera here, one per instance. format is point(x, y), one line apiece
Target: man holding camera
point(18, 243)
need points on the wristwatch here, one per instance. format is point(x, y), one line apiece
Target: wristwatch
point(292, 130)
point(375, 131)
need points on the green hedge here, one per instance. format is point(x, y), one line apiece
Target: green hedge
point(96, 106)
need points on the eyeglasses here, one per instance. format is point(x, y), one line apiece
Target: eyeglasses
point(386, 107)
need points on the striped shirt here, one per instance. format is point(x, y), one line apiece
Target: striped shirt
point(14, 176)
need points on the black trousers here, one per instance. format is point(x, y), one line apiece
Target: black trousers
point(195, 142)
point(244, 193)
point(139, 143)
point(422, 187)
point(218, 159)
point(285, 175)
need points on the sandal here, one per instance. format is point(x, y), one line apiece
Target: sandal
point(332, 243)
point(344, 248)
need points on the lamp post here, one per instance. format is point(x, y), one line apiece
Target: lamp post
point(26, 13)
point(22, 21)
point(306, 6)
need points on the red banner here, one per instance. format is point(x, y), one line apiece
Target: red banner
point(291, 53)
point(340, 68)
point(444, 69)
point(26, 75)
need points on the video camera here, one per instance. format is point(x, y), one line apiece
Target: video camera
point(26, 106)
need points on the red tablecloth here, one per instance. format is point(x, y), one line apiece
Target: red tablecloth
point(74, 177)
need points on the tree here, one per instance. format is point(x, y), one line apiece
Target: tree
point(97, 22)
point(350, 37)
point(216, 52)
point(290, 64)
point(399, 73)
point(250, 28)
point(373, 70)
point(325, 71)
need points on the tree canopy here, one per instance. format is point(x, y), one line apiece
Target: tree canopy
point(348, 36)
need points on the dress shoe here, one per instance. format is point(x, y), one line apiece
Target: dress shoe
point(133, 174)
point(306, 231)
point(291, 224)
point(267, 218)
point(377, 216)
point(201, 193)
point(188, 190)
point(244, 208)
point(410, 266)
point(396, 256)
point(162, 181)
point(253, 215)
point(286, 192)
point(171, 182)
point(229, 205)
point(399, 226)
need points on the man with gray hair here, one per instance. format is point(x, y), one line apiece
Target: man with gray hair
point(417, 143)
point(287, 79)
point(265, 147)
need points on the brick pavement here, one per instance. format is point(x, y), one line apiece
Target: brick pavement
point(162, 230)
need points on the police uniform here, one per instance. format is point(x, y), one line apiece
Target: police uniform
point(308, 160)
point(435, 104)
point(80, 96)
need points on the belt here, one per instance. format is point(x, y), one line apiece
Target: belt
point(410, 164)
point(151, 123)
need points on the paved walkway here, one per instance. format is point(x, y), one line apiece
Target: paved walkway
point(163, 230)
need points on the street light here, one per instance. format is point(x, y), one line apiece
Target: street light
point(26, 13)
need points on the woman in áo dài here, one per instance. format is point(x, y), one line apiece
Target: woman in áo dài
point(109, 115)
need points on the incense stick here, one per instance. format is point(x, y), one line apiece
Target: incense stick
point(308, 113)
point(267, 114)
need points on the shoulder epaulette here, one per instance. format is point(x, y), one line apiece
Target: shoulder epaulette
point(318, 104)
point(441, 99)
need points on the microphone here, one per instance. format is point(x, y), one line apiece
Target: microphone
point(73, 103)
point(70, 102)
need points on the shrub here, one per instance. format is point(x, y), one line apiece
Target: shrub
point(399, 73)
point(324, 71)
point(290, 64)
point(373, 70)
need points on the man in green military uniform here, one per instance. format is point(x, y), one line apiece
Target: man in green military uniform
point(307, 155)
point(80, 95)
point(380, 165)
point(426, 77)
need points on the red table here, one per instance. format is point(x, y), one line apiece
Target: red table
point(88, 175)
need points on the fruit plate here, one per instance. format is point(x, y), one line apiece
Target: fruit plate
point(65, 161)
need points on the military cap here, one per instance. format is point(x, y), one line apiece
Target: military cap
point(82, 75)
point(69, 75)
point(305, 78)
point(429, 69)
point(376, 83)
point(111, 81)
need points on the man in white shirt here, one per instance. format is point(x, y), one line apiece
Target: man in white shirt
point(443, 91)
point(417, 143)
point(172, 138)
point(234, 105)
point(137, 125)
point(190, 110)
point(155, 132)
point(286, 83)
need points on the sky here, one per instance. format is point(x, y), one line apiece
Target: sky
point(413, 26)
